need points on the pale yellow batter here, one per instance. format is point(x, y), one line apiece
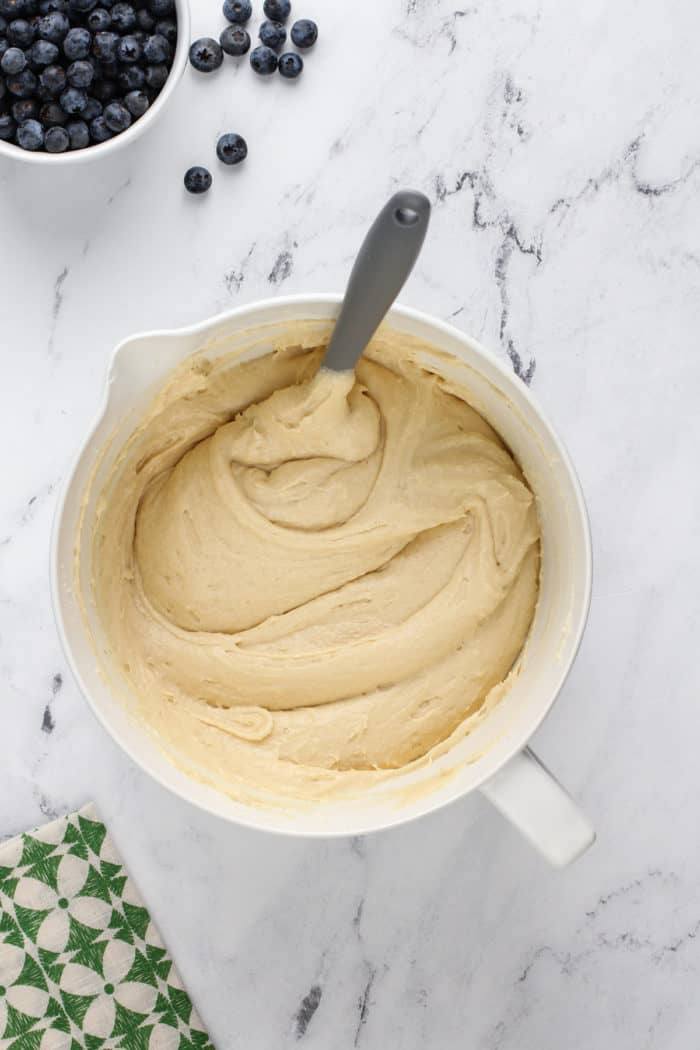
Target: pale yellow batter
point(311, 580)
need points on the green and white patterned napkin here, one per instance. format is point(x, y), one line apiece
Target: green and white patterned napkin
point(82, 967)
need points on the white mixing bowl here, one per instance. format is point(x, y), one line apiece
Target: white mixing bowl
point(495, 757)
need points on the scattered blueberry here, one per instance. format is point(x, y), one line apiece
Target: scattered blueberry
point(73, 101)
point(104, 46)
point(51, 114)
point(235, 40)
point(99, 132)
point(21, 33)
point(232, 148)
point(123, 17)
point(129, 50)
point(277, 10)
point(131, 78)
point(79, 134)
point(117, 117)
point(290, 65)
point(25, 109)
point(53, 80)
point(238, 11)
point(167, 28)
point(197, 180)
point(76, 43)
point(57, 140)
point(137, 103)
point(206, 55)
point(30, 135)
point(272, 34)
point(145, 20)
point(43, 53)
point(304, 33)
point(22, 85)
point(7, 128)
point(161, 8)
point(156, 77)
point(53, 27)
point(156, 50)
point(80, 74)
point(13, 61)
point(263, 60)
point(99, 20)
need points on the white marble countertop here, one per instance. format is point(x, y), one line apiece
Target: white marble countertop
point(561, 146)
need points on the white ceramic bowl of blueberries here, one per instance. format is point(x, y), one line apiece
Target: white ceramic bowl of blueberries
point(81, 78)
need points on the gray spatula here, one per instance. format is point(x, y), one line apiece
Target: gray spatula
point(383, 263)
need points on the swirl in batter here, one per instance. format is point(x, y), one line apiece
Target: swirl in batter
point(312, 580)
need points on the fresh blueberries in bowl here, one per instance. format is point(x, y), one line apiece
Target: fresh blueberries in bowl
point(235, 40)
point(277, 10)
point(272, 34)
point(263, 60)
point(238, 11)
point(304, 33)
point(74, 73)
point(206, 54)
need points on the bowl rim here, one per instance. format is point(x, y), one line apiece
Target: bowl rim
point(11, 151)
point(430, 803)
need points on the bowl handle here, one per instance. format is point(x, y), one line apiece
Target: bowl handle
point(527, 794)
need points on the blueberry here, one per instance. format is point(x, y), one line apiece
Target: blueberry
point(137, 103)
point(206, 55)
point(123, 17)
point(80, 74)
point(167, 28)
point(93, 109)
point(157, 50)
point(105, 90)
point(73, 101)
point(277, 10)
point(47, 6)
point(81, 7)
point(99, 132)
point(131, 78)
point(107, 70)
point(161, 8)
point(13, 61)
point(42, 53)
point(76, 43)
point(53, 80)
point(7, 128)
point(51, 115)
point(117, 117)
point(263, 60)
point(104, 46)
point(22, 85)
point(231, 148)
point(30, 135)
point(272, 34)
point(304, 33)
point(99, 20)
point(25, 109)
point(156, 77)
point(129, 50)
point(197, 180)
point(57, 140)
point(291, 65)
point(53, 27)
point(238, 11)
point(235, 40)
point(21, 33)
point(145, 20)
point(78, 133)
